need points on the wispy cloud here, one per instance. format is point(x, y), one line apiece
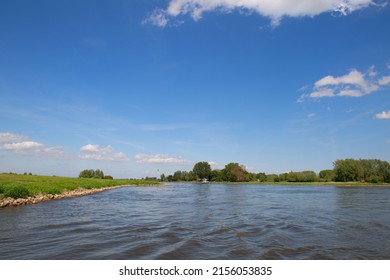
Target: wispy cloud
point(384, 81)
point(383, 116)
point(18, 144)
point(7, 137)
point(275, 10)
point(23, 146)
point(352, 84)
point(158, 17)
point(160, 159)
point(94, 152)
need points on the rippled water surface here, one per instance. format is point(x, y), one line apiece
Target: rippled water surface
point(190, 221)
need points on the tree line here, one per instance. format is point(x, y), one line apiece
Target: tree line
point(344, 170)
point(90, 173)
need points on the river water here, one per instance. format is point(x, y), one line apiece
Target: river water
point(191, 221)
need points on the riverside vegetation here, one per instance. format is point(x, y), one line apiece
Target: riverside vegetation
point(346, 171)
point(15, 189)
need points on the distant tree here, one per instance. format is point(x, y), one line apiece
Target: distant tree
point(202, 170)
point(108, 177)
point(87, 173)
point(233, 172)
point(327, 175)
point(249, 176)
point(262, 177)
point(170, 178)
point(348, 170)
point(177, 176)
point(271, 177)
point(283, 177)
point(163, 178)
point(90, 173)
point(216, 175)
point(98, 174)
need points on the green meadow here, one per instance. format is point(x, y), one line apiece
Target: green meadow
point(22, 186)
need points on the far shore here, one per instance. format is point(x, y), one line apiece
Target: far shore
point(42, 197)
point(314, 184)
point(309, 184)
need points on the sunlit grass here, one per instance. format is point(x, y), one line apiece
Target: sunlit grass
point(21, 186)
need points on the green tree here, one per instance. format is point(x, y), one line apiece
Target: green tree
point(216, 175)
point(327, 175)
point(87, 173)
point(233, 172)
point(202, 170)
point(177, 176)
point(90, 173)
point(348, 170)
point(262, 177)
point(98, 174)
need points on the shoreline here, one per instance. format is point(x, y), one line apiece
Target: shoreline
point(14, 202)
point(303, 184)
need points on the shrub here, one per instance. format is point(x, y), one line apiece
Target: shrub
point(52, 190)
point(16, 192)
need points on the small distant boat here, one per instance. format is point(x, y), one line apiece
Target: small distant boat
point(203, 181)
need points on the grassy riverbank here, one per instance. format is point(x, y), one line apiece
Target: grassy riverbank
point(23, 186)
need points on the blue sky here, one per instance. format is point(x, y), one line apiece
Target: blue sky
point(139, 88)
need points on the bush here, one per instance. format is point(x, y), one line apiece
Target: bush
point(52, 190)
point(16, 192)
point(90, 173)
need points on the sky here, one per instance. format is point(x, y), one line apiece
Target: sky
point(139, 88)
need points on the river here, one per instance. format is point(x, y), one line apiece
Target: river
point(192, 221)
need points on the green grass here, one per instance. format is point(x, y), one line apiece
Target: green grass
point(21, 186)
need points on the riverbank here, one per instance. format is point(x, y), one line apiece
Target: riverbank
point(13, 202)
point(312, 184)
point(318, 184)
point(16, 190)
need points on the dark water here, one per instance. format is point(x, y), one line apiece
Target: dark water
point(185, 221)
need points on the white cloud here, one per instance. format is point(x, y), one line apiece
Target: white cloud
point(89, 148)
point(384, 115)
point(34, 149)
point(94, 152)
point(353, 78)
point(160, 159)
point(56, 150)
point(158, 17)
point(23, 146)
point(7, 137)
point(384, 81)
point(273, 9)
point(323, 92)
point(352, 84)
